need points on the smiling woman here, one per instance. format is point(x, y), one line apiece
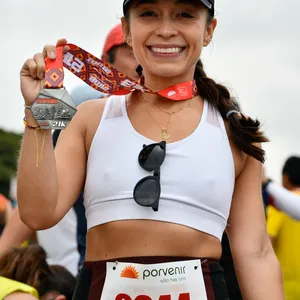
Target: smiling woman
point(162, 178)
point(153, 29)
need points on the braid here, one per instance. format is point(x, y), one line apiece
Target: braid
point(243, 130)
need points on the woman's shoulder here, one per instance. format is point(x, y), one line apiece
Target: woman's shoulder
point(14, 290)
point(91, 105)
point(89, 112)
point(239, 156)
point(20, 296)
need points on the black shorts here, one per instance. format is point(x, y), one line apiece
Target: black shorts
point(92, 276)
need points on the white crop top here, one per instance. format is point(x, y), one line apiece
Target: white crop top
point(197, 176)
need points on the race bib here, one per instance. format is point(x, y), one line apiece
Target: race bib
point(181, 280)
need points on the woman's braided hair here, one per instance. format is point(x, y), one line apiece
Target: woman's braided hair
point(243, 131)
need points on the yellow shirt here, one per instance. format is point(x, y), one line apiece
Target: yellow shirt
point(286, 232)
point(8, 286)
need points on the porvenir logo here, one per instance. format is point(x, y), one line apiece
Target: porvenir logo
point(163, 272)
point(130, 272)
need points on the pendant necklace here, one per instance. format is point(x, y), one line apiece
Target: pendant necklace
point(165, 134)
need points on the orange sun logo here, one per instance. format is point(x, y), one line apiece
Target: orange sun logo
point(130, 272)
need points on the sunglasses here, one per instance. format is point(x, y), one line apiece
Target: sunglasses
point(147, 190)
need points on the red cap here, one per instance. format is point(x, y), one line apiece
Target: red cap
point(3, 203)
point(114, 38)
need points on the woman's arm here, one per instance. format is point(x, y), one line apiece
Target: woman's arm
point(284, 200)
point(258, 270)
point(15, 232)
point(46, 191)
point(8, 212)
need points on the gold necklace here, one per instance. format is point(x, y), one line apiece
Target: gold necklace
point(165, 135)
point(165, 111)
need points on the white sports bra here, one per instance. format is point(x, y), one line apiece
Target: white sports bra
point(197, 176)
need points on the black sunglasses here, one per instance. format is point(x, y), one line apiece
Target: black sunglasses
point(147, 190)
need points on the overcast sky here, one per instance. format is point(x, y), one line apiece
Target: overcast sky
point(255, 52)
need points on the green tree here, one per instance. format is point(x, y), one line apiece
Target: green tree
point(9, 148)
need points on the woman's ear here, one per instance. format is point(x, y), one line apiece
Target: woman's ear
point(210, 32)
point(126, 31)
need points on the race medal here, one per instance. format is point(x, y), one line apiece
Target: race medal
point(53, 107)
point(181, 280)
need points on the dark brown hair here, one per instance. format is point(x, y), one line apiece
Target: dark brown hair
point(243, 131)
point(28, 265)
point(63, 281)
point(291, 168)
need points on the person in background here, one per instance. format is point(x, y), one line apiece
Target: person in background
point(59, 241)
point(285, 232)
point(25, 274)
point(5, 211)
point(119, 55)
point(281, 198)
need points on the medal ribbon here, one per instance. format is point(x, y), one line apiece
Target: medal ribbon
point(54, 74)
point(103, 77)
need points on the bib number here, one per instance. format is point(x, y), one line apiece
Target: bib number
point(181, 280)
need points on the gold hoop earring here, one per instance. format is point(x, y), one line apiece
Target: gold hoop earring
point(207, 42)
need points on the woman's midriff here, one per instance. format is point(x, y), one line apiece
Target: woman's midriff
point(148, 238)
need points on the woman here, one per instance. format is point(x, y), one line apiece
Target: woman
point(202, 175)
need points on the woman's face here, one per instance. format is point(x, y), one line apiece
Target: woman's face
point(167, 36)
